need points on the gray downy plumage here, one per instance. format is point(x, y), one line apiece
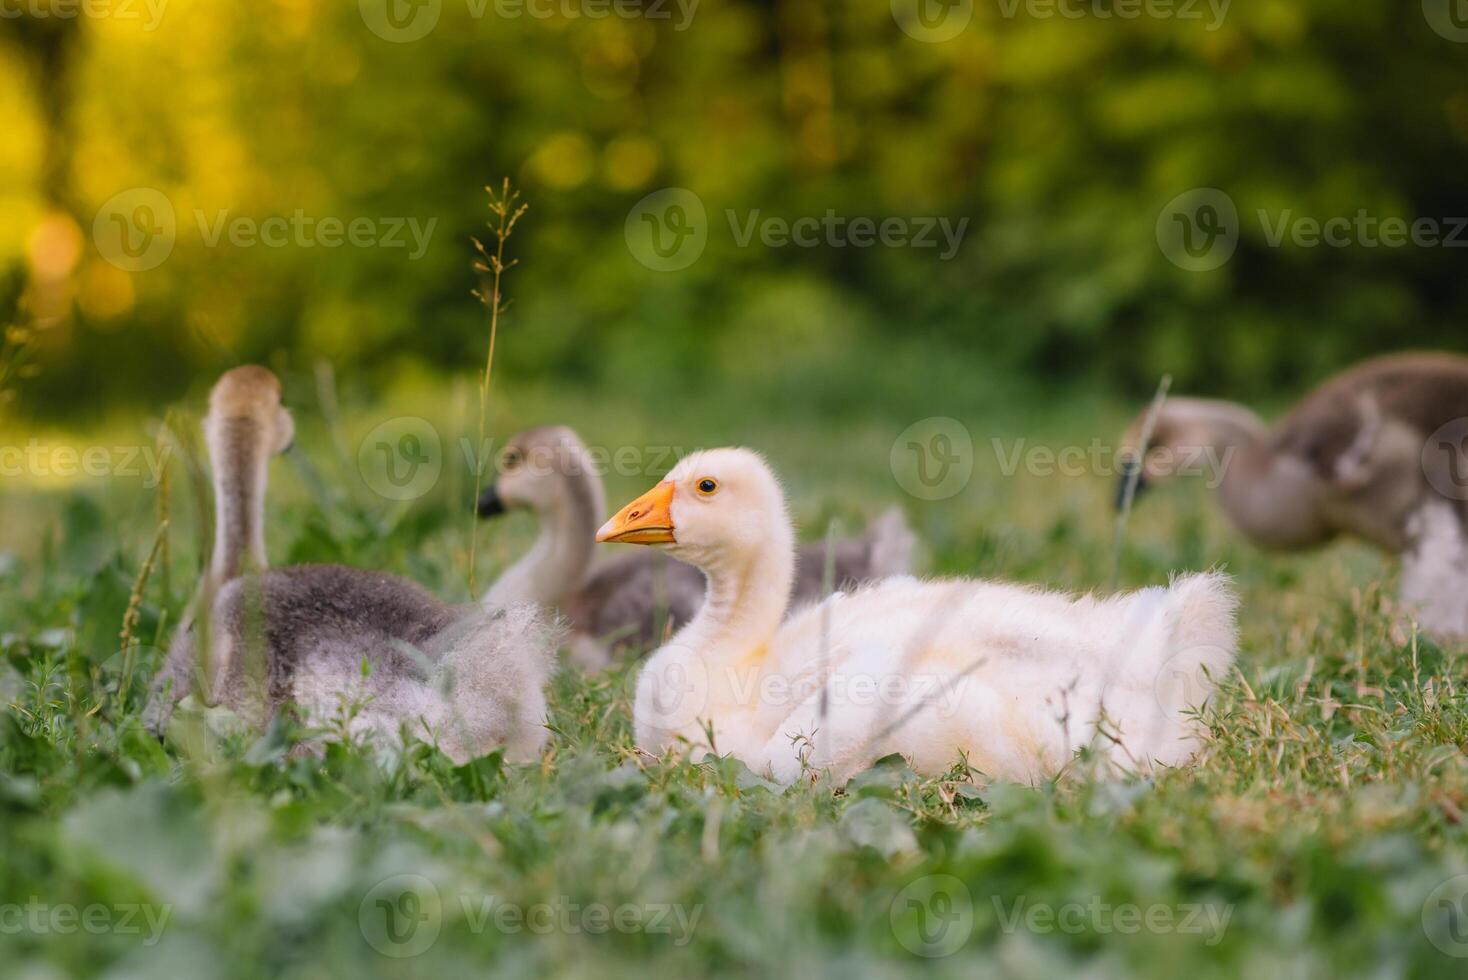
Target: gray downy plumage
point(371, 652)
point(1354, 457)
point(343, 648)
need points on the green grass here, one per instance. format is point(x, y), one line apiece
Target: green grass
point(1307, 841)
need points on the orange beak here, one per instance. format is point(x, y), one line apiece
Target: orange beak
point(647, 520)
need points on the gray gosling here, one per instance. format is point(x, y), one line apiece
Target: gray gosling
point(634, 600)
point(298, 638)
point(1374, 452)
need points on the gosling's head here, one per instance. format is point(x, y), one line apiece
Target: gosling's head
point(720, 506)
point(547, 470)
point(252, 393)
point(1182, 429)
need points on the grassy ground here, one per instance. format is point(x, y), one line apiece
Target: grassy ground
point(1319, 835)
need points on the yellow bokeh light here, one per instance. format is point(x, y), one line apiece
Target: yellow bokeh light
point(563, 161)
point(630, 162)
point(107, 291)
point(54, 246)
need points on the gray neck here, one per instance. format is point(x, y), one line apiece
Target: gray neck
point(557, 564)
point(1219, 425)
point(240, 470)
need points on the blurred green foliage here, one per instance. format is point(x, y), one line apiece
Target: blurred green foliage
point(1060, 139)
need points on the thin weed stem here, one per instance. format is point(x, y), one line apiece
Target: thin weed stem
point(491, 267)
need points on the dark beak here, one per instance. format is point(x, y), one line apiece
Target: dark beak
point(1132, 481)
point(490, 504)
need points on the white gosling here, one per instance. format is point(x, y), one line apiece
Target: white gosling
point(637, 598)
point(297, 638)
point(1014, 678)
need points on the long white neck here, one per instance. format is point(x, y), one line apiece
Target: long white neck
point(557, 563)
point(744, 604)
point(710, 671)
point(241, 465)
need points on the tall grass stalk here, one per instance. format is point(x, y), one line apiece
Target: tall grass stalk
point(491, 267)
point(130, 618)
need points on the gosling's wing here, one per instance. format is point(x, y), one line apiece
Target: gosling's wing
point(886, 549)
point(636, 598)
point(1337, 426)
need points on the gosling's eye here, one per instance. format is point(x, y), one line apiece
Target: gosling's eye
point(708, 487)
point(512, 459)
